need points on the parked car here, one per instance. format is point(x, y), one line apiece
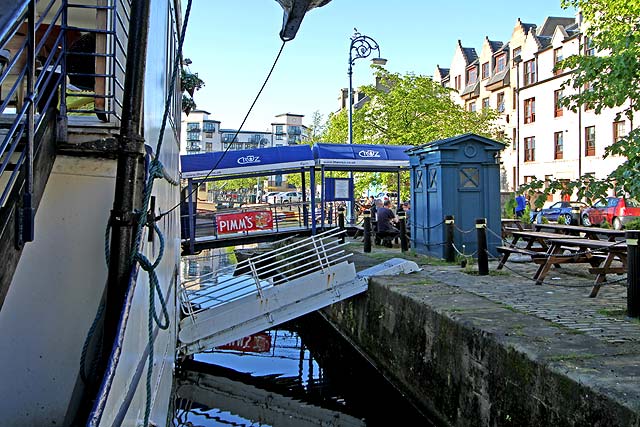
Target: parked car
point(569, 210)
point(387, 196)
point(616, 211)
point(270, 197)
point(290, 197)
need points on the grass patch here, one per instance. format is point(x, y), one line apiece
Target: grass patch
point(613, 312)
point(572, 356)
point(472, 272)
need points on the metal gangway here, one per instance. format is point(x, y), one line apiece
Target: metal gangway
point(271, 288)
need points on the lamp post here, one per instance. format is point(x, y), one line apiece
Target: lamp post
point(361, 47)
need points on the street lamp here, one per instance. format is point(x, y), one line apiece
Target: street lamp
point(361, 47)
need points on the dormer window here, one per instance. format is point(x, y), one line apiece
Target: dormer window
point(472, 75)
point(501, 63)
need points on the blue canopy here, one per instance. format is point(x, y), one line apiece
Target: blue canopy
point(235, 162)
point(360, 157)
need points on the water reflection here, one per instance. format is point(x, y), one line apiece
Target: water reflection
point(302, 374)
point(289, 384)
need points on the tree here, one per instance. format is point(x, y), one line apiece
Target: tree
point(317, 127)
point(406, 109)
point(409, 110)
point(611, 80)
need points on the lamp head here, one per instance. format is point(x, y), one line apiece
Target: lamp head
point(379, 61)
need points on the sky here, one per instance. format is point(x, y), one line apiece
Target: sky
point(233, 44)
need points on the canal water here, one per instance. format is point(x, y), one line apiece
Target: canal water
point(301, 374)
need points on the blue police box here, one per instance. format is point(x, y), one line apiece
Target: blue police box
point(458, 176)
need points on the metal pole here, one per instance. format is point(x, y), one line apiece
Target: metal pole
point(367, 231)
point(483, 257)
point(341, 222)
point(633, 273)
point(402, 225)
point(130, 170)
point(449, 254)
point(28, 210)
point(312, 184)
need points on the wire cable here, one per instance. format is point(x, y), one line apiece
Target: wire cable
point(197, 186)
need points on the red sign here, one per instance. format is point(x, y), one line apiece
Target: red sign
point(256, 343)
point(244, 221)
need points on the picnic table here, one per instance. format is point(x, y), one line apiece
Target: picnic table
point(588, 232)
point(510, 225)
point(599, 254)
point(536, 244)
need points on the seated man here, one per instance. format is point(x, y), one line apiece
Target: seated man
point(386, 220)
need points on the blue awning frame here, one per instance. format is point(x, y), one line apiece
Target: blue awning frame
point(324, 157)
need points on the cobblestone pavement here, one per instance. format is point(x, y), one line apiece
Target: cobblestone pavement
point(563, 298)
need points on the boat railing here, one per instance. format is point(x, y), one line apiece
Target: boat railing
point(255, 274)
point(31, 60)
point(55, 54)
point(96, 52)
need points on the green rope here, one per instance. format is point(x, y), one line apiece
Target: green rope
point(157, 170)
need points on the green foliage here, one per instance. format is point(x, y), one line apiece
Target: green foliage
point(545, 220)
point(509, 207)
point(562, 220)
point(317, 128)
point(526, 214)
point(188, 104)
point(190, 81)
point(611, 78)
point(633, 225)
point(408, 109)
point(605, 224)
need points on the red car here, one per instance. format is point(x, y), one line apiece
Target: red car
point(616, 211)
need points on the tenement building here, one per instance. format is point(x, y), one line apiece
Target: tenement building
point(519, 78)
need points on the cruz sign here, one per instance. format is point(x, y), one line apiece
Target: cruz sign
point(244, 221)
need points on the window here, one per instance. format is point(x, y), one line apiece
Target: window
point(472, 75)
point(193, 127)
point(458, 82)
point(209, 146)
point(590, 141)
point(618, 131)
point(472, 107)
point(557, 57)
point(501, 62)
point(485, 103)
point(193, 136)
point(500, 103)
point(516, 52)
point(530, 72)
point(513, 139)
point(209, 126)
point(530, 110)
point(530, 149)
point(485, 70)
point(208, 135)
point(588, 47)
point(558, 146)
point(557, 108)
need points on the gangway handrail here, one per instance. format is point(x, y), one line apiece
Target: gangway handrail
point(290, 262)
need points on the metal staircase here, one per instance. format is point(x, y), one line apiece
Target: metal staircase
point(270, 289)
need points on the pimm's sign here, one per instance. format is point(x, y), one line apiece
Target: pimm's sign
point(244, 221)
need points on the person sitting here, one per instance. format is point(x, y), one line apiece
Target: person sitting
point(386, 230)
